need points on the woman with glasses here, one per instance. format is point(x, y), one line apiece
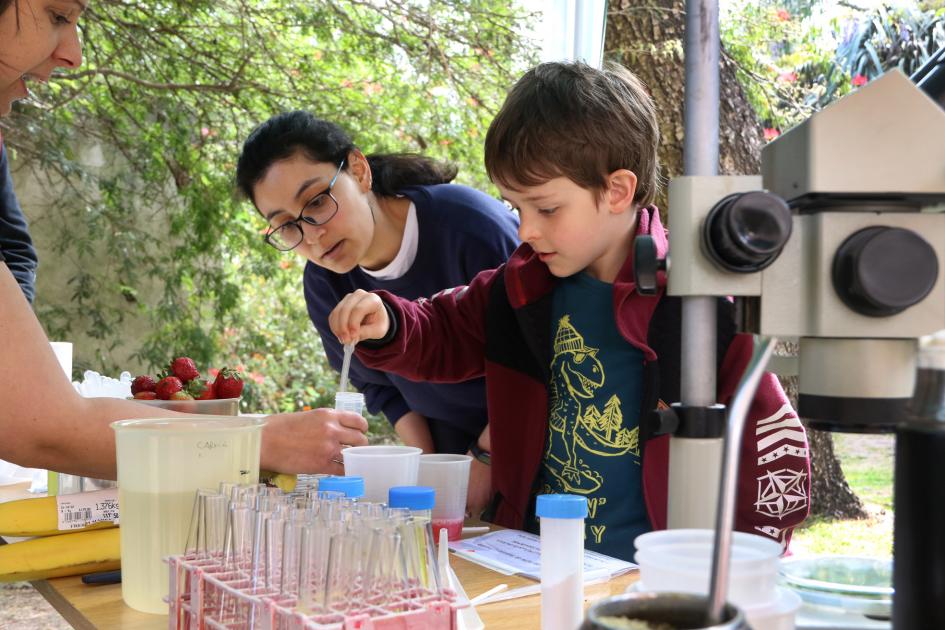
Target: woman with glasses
point(44, 423)
point(391, 222)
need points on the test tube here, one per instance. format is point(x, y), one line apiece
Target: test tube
point(418, 499)
point(561, 518)
point(272, 565)
point(314, 543)
point(291, 555)
point(207, 524)
point(343, 571)
point(351, 486)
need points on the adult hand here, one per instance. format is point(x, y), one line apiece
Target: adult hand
point(479, 494)
point(310, 441)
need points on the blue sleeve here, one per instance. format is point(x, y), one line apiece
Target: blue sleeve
point(15, 241)
point(380, 395)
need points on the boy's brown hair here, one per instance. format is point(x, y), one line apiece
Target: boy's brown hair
point(572, 120)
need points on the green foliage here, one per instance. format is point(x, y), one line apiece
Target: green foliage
point(169, 90)
point(796, 57)
point(902, 38)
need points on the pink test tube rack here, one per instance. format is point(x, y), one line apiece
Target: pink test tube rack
point(206, 595)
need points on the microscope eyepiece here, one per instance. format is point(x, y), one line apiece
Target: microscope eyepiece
point(745, 232)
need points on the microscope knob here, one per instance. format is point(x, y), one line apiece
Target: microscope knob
point(880, 271)
point(745, 232)
point(646, 265)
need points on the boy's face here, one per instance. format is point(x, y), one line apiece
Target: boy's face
point(573, 229)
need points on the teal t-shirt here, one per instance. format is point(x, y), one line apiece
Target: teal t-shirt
point(596, 388)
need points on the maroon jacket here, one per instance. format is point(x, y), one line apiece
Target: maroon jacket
point(499, 326)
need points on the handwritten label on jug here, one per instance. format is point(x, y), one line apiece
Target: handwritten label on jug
point(208, 446)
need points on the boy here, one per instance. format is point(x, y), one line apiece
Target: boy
point(574, 358)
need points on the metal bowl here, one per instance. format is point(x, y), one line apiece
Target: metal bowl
point(214, 407)
point(662, 611)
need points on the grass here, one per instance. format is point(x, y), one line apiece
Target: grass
point(867, 463)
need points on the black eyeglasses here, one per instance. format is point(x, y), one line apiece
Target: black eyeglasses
point(319, 210)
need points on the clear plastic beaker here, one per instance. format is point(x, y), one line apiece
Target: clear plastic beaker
point(162, 463)
point(449, 476)
point(382, 467)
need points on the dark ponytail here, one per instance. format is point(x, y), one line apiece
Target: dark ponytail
point(286, 134)
point(394, 171)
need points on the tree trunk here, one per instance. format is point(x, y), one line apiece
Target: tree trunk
point(647, 36)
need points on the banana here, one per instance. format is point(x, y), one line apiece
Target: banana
point(58, 556)
point(284, 481)
point(39, 517)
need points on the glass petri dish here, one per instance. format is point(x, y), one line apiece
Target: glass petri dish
point(854, 584)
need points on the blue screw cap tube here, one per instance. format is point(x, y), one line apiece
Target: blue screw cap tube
point(352, 486)
point(418, 499)
point(561, 517)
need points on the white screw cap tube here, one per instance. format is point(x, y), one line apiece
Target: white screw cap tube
point(562, 560)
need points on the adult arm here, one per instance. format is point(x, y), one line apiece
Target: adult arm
point(15, 241)
point(45, 423)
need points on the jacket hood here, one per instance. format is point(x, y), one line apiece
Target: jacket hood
point(527, 279)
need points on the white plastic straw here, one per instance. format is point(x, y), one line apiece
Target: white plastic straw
point(484, 596)
point(345, 366)
point(525, 591)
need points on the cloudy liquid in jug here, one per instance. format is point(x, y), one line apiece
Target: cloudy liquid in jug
point(143, 571)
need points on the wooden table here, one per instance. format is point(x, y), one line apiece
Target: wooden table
point(87, 607)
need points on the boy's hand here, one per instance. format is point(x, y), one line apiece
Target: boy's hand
point(359, 316)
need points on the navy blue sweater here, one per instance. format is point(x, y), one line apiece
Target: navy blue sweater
point(462, 232)
point(16, 246)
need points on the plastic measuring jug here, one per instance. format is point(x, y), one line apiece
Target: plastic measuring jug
point(162, 463)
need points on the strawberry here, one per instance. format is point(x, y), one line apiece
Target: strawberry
point(181, 395)
point(201, 389)
point(167, 386)
point(228, 384)
point(184, 369)
point(142, 384)
point(145, 395)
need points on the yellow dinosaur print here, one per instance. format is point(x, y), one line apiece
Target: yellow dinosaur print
point(576, 374)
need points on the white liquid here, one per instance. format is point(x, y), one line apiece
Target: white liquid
point(153, 526)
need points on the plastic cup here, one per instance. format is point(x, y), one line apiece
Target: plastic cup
point(680, 560)
point(162, 462)
point(382, 467)
point(449, 476)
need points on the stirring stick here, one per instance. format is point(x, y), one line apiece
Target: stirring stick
point(345, 366)
point(476, 530)
point(525, 591)
point(492, 591)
